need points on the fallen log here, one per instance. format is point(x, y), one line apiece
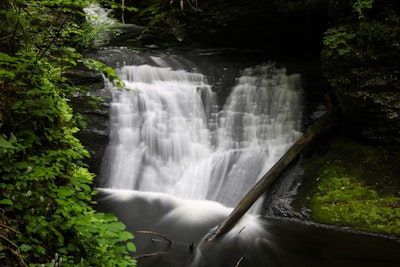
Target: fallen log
point(323, 124)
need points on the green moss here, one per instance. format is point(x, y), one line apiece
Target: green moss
point(355, 185)
point(348, 202)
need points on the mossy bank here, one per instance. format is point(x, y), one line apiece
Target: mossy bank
point(351, 184)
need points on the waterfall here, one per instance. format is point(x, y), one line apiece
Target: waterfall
point(167, 135)
point(102, 25)
point(191, 134)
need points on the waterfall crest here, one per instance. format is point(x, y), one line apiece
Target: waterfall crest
point(167, 135)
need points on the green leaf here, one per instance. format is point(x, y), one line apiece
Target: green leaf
point(7, 74)
point(6, 202)
point(21, 165)
point(131, 247)
point(5, 144)
point(7, 58)
point(25, 247)
point(116, 226)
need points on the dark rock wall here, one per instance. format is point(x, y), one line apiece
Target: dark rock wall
point(361, 60)
point(360, 53)
point(277, 25)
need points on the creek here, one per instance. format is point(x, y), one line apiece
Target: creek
point(192, 134)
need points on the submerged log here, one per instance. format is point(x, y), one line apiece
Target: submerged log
point(323, 124)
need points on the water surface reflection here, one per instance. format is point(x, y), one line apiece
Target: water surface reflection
point(255, 241)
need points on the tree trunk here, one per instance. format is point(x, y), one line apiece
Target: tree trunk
point(326, 122)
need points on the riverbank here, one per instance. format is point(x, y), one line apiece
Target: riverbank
point(352, 184)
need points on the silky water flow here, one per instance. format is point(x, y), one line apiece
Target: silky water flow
point(177, 164)
point(168, 135)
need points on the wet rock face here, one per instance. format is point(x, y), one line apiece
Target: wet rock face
point(371, 108)
point(93, 132)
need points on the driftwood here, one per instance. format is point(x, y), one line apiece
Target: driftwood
point(148, 255)
point(323, 124)
point(170, 242)
point(157, 234)
point(166, 239)
point(239, 261)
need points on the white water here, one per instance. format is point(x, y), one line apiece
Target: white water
point(168, 136)
point(177, 165)
point(101, 23)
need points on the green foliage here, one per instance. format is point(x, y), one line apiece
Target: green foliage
point(46, 195)
point(112, 75)
point(338, 40)
point(374, 34)
point(116, 4)
point(358, 35)
point(364, 33)
point(360, 6)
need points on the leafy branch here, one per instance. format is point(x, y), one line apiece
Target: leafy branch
point(360, 6)
point(45, 187)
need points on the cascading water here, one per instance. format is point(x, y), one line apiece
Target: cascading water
point(101, 23)
point(177, 163)
point(168, 136)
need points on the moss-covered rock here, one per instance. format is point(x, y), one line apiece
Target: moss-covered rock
point(354, 185)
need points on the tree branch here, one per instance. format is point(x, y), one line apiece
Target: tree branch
point(239, 261)
point(155, 233)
